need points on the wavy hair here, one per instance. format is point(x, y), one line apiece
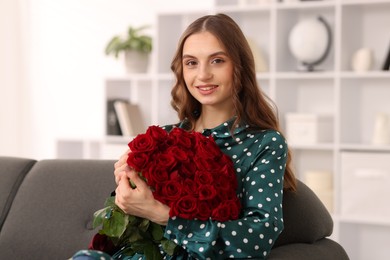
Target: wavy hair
point(250, 103)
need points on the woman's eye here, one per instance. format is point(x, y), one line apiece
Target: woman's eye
point(190, 63)
point(217, 60)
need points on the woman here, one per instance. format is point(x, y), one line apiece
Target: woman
point(216, 93)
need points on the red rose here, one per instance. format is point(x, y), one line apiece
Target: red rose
point(186, 207)
point(204, 211)
point(102, 243)
point(207, 148)
point(181, 138)
point(179, 154)
point(189, 187)
point(225, 210)
point(156, 175)
point(169, 191)
point(166, 160)
point(207, 192)
point(138, 161)
point(157, 133)
point(142, 143)
point(205, 163)
point(203, 177)
point(187, 170)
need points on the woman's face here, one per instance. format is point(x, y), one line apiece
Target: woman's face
point(208, 71)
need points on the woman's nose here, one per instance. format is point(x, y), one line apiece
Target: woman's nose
point(204, 72)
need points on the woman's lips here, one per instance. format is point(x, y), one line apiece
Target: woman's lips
point(206, 89)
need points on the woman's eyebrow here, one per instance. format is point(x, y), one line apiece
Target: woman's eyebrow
point(185, 56)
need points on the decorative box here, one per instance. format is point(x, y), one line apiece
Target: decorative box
point(308, 128)
point(365, 182)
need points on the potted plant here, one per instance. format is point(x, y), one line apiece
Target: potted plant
point(135, 45)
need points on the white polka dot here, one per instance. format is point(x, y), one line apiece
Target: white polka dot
point(202, 226)
point(227, 243)
point(234, 233)
point(201, 249)
point(180, 227)
point(207, 234)
point(245, 240)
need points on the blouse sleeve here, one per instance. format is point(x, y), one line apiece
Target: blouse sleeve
point(261, 219)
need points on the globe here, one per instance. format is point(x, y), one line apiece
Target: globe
point(309, 41)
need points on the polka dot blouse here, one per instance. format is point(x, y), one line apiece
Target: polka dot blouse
point(260, 160)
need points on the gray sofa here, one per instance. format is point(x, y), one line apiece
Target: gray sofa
point(47, 207)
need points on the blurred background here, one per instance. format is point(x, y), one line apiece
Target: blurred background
point(53, 67)
point(325, 63)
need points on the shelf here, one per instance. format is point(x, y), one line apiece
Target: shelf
point(305, 5)
point(353, 99)
point(365, 147)
point(319, 146)
point(365, 75)
point(353, 219)
point(305, 75)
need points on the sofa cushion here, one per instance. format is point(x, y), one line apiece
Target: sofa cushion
point(12, 172)
point(51, 217)
point(306, 219)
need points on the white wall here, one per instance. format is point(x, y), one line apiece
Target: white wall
point(56, 49)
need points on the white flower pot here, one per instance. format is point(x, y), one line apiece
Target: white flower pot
point(136, 62)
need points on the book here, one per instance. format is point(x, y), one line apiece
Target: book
point(112, 122)
point(386, 64)
point(130, 118)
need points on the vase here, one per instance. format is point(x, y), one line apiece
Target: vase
point(381, 129)
point(136, 62)
point(362, 60)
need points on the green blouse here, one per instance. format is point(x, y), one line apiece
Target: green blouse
point(260, 160)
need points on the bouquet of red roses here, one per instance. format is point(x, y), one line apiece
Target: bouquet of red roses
point(186, 171)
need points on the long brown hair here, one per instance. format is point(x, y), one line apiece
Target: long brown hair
point(251, 105)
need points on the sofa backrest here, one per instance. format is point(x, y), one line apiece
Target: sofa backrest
point(12, 172)
point(51, 215)
point(305, 217)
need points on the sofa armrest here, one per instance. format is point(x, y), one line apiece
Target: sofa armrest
point(323, 249)
point(12, 172)
point(305, 217)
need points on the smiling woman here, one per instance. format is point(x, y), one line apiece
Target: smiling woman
point(207, 71)
point(216, 94)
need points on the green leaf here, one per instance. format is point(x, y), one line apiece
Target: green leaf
point(99, 216)
point(152, 252)
point(116, 225)
point(168, 246)
point(157, 231)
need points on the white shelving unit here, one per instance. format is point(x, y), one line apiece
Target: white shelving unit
point(352, 98)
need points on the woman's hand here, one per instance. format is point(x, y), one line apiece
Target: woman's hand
point(138, 201)
point(121, 166)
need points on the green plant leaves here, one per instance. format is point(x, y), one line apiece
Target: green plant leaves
point(134, 40)
point(137, 234)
